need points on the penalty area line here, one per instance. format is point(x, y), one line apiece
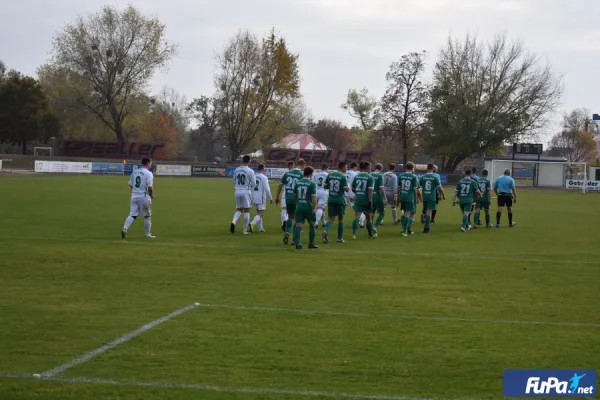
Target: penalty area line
point(93, 353)
point(225, 389)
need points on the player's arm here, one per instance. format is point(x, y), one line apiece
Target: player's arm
point(455, 194)
point(315, 203)
point(382, 191)
point(266, 184)
point(514, 193)
point(326, 184)
point(131, 182)
point(279, 190)
point(476, 190)
point(496, 187)
point(252, 178)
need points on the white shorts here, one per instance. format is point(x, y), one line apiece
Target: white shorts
point(322, 196)
point(141, 207)
point(282, 202)
point(242, 199)
point(260, 206)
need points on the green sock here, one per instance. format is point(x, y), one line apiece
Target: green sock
point(477, 218)
point(465, 221)
point(297, 231)
point(328, 226)
point(370, 229)
point(427, 221)
point(340, 230)
point(288, 225)
point(410, 222)
point(354, 227)
point(487, 219)
point(311, 235)
point(404, 223)
point(379, 220)
point(402, 219)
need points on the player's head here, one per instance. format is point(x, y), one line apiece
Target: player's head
point(246, 159)
point(342, 166)
point(261, 167)
point(378, 167)
point(467, 172)
point(301, 163)
point(308, 171)
point(365, 166)
point(435, 168)
point(392, 166)
point(507, 172)
point(324, 167)
point(484, 173)
point(353, 165)
point(410, 166)
point(430, 168)
point(291, 164)
point(147, 162)
point(474, 170)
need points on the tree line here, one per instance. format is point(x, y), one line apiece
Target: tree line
point(482, 94)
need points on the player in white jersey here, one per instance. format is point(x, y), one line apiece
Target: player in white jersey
point(322, 194)
point(260, 195)
point(142, 193)
point(390, 187)
point(284, 214)
point(350, 174)
point(244, 181)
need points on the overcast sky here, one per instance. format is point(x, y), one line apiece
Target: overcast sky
point(342, 43)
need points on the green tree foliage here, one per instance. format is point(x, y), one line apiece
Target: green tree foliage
point(333, 134)
point(256, 81)
point(203, 140)
point(25, 114)
point(485, 94)
point(116, 53)
point(361, 105)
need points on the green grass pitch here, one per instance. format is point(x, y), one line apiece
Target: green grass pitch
point(428, 316)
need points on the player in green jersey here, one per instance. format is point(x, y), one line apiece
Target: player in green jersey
point(305, 192)
point(337, 184)
point(379, 198)
point(430, 186)
point(288, 181)
point(408, 186)
point(466, 190)
point(483, 202)
point(363, 185)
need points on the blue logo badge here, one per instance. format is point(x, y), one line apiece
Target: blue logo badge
point(550, 383)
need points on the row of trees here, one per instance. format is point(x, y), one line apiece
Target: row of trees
point(482, 94)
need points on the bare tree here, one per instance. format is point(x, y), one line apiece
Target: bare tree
point(256, 80)
point(117, 53)
point(204, 111)
point(362, 106)
point(485, 94)
point(404, 103)
point(575, 142)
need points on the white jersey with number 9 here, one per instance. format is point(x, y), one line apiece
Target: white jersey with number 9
point(139, 181)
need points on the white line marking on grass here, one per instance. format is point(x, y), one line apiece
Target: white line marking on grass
point(395, 316)
point(489, 256)
point(213, 388)
point(91, 354)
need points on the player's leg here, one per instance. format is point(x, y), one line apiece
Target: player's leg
point(134, 212)
point(381, 216)
point(369, 219)
point(501, 203)
point(239, 206)
point(361, 221)
point(298, 222)
point(291, 211)
point(411, 218)
point(147, 207)
point(476, 215)
point(431, 206)
point(486, 209)
point(246, 212)
point(424, 212)
point(341, 212)
point(510, 213)
point(355, 223)
point(312, 218)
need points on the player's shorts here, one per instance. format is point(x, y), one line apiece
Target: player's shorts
point(304, 215)
point(408, 206)
point(322, 196)
point(141, 207)
point(390, 199)
point(282, 202)
point(482, 205)
point(243, 199)
point(429, 206)
point(336, 210)
point(378, 207)
point(466, 207)
point(291, 205)
point(260, 206)
point(257, 199)
point(505, 200)
point(361, 208)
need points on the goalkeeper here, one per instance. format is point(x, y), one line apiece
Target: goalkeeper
point(390, 188)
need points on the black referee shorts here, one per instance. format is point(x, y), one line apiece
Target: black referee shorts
point(505, 200)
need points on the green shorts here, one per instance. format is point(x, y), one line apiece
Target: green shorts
point(466, 207)
point(429, 205)
point(290, 204)
point(336, 210)
point(361, 208)
point(302, 215)
point(408, 206)
point(378, 207)
point(482, 205)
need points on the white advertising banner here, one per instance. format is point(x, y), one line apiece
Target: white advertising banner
point(590, 186)
point(0, 165)
point(174, 170)
point(275, 173)
point(63, 167)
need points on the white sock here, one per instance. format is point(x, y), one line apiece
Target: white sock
point(128, 223)
point(256, 219)
point(284, 216)
point(246, 221)
point(260, 225)
point(147, 225)
point(394, 216)
point(236, 216)
point(319, 215)
point(362, 219)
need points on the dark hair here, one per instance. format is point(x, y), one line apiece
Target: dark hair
point(429, 167)
point(467, 172)
point(308, 171)
point(290, 164)
point(300, 162)
point(392, 167)
point(485, 172)
point(409, 166)
point(246, 159)
point(342, 164)
point(261, 167)
point(353, 164)
point(378, 167)
point(366, 166)
point(324, 167)
point(146, 161)
point(474, 170)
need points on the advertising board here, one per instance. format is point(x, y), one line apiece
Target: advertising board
point(107, 168)
point(63, 167)
point(208, 171)
point(173, 170)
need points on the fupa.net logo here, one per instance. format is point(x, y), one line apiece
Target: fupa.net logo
point(550, 383)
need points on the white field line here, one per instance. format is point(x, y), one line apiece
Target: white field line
point(396, 316)
point(490, 256)
point(91, 354)
point(225, 389)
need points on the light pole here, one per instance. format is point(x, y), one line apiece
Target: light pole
point(53, 140)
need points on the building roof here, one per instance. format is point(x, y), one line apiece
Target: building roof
point(300, 141)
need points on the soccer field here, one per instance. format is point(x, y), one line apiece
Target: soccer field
point(427, 316)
